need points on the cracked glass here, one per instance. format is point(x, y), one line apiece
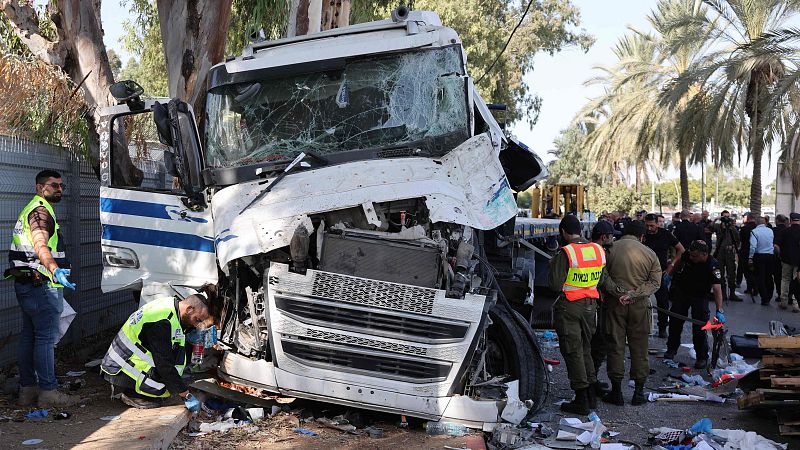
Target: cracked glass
point(409, 99)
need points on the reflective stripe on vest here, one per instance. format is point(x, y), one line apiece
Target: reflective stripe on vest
point(586, 262)
point(22, 255)
point(127, 355)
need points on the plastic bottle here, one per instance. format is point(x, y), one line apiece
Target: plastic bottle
point(593, 417)
point(448, 428)
point(197, 353)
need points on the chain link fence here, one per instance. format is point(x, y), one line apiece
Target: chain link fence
point(79, 216)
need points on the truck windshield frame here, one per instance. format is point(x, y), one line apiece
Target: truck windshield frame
point(416, 99)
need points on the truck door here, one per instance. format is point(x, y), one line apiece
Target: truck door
point(156, 225)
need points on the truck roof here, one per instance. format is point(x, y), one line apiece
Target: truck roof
point(321, 51)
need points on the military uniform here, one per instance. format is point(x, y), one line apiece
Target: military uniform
point(725, 253)
point(575, 309)
point(632, 269)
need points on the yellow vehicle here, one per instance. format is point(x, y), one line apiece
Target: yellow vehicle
point(557, 200)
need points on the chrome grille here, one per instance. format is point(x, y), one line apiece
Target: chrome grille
point(346, 317)
point(379, 294)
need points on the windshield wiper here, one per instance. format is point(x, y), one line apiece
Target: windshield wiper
point(295, 162)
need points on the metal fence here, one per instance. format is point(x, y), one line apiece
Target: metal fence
point(78, 215)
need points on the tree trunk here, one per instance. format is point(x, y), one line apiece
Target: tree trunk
point(638, 178)
point(756, 144)
point(313, 16)
point(684, 176)
point(79, 51)
point(193, 33)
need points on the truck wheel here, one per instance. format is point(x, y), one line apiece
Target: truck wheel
point(511, 351)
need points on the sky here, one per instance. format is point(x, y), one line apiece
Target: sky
point(558, 80)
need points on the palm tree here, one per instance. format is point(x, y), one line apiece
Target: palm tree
point(638, 127)
point(736, 80)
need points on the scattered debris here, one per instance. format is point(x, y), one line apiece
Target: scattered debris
point(304, 431)
point(62, 416)
point(32, 442)
point(75, 373)
point(37, 414)
point(110, 418)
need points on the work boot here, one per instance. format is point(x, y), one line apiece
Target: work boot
point(591, 395)
point(580, 405)
point(701, 363)
point(54, 398)
point(638, 393)
point(139, 403)
point(733, 297)
point(615, 396)
point(600, 388)
point(27, 395)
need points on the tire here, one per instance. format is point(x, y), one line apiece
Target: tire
point(513, 351)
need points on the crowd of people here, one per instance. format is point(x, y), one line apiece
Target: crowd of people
point(606, 286)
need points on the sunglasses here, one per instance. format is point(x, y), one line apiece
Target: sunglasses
point(57, 185)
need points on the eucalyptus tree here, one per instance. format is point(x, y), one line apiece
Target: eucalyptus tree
point(737, 79)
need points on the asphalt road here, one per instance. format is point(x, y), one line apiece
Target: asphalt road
point(634, 421)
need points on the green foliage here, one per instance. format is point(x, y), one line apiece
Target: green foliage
point(572, 164)
point(248, 17)
point(114, 62)
point(484, 27)
point(524, 199)
point(143, 40)
point(614, 197)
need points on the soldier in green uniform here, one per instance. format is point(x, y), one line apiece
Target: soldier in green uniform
point(575, 272)
point(635, 274)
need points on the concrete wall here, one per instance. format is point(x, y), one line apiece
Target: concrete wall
point(78, 215)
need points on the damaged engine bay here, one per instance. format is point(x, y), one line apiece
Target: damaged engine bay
point(397, 245)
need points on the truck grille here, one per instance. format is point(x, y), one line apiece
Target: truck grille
point(341, 316)
point(374, 293)
point(387, 365)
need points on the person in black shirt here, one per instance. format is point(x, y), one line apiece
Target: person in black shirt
point(788, 244)
point(660, 241)
point(687, 231)
point(706, 225)
point(781, 225)
point(744, 254)
point(695, 276)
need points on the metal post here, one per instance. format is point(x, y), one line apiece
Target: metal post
point(76, 329)
point(703, 186)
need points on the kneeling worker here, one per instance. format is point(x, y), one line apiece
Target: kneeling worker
point(147, 357)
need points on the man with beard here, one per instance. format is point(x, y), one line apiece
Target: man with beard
point(147, 357)
point(660, 241)
point(40, 270)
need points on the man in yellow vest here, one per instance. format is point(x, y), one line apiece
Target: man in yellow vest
point(575, 271)
point(40, 270)
point(147, 357)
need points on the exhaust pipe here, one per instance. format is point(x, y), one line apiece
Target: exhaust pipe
point(400, 14)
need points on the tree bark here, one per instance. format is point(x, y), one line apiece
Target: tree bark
point(193, 33)
point(79, 51)
point(756, 143)
point(684, 176)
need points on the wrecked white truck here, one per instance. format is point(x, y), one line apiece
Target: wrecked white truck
point(354, 203)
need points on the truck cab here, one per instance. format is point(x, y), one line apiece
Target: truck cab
point(353, 200)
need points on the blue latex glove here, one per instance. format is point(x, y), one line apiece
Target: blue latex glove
point(667, 280)
point(192, 403)
point(702, 426)
point(721, 317)
point(61, 277)
point(678, 447)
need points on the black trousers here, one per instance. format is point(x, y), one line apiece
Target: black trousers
point(599, 346)
point(743, 271)
point(764, 267)
point(681, 304)
point(662, 301)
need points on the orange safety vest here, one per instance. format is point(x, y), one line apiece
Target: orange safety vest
point(586, 262)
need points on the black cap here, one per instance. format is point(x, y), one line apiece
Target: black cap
point(635, 228)
point(603, 227)
point(570, 224)
point(794, 216)
point(699, 246)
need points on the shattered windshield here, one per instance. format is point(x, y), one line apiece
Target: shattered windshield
point(416, 98)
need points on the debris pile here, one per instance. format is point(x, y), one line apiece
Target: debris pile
point(701, 436)
point(776, 386)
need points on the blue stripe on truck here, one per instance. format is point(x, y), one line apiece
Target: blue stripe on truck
point(158, 238)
